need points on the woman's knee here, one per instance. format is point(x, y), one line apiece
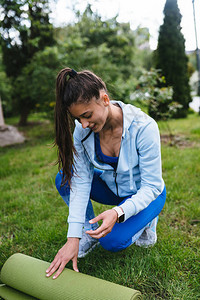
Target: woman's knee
point(63, 190)
point(113, 244)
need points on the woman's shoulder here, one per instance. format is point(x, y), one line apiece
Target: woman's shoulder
point(134, 117)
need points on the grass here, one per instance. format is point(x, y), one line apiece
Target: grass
point(34, 217)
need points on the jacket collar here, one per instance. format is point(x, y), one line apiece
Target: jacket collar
point(129, 114)
point(88, 143)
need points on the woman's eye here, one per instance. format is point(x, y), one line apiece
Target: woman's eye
point(87, 117)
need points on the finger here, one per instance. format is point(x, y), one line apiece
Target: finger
point(96, 231)
point(99, 235)
point(96, 219)
point(61, 268)
point(75, 266)
point(104, 234)
point(52, 265)
point(54, 269)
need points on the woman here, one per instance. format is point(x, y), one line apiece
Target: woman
point(115, 160)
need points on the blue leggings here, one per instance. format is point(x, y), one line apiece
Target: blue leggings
point(121, 235)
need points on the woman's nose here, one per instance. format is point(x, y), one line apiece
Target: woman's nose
point(84, 123)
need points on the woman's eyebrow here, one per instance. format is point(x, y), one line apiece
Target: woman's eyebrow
point(82, 115)
point(86, 112)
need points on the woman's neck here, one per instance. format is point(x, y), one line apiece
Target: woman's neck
point(114, 120)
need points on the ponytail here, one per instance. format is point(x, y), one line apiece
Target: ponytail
point(63, 125)
point(71, 87)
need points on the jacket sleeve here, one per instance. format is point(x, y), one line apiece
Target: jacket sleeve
point(80, 189)
point(149, 160)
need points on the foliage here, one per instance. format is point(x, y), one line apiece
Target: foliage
point(39, 78)
point(25, 29)
point(171, 57)
point(191, 69)
point(105, 47)
point(118, 37)
point(143, 53)
point(5, 90)
point(192, 57)
point(159, 100)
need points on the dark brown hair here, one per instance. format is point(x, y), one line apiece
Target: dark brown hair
point(71, 87)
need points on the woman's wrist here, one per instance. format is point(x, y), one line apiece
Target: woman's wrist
point(115, 214)
point(73, 239)
point(120, 213)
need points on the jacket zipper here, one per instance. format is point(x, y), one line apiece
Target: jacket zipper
point(115, 171)
point(115, 175)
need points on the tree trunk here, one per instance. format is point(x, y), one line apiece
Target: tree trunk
point(24, 116)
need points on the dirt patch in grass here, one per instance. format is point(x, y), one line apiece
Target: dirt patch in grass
point(179, 141)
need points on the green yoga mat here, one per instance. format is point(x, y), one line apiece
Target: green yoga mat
point(7, 292)
point(24, 277)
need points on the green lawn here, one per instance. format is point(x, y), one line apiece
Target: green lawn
point(34, 217)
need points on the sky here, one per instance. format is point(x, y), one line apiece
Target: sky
point(144, 13)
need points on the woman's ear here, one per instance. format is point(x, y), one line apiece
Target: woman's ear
point(106, 99)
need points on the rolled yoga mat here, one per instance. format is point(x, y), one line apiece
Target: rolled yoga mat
point(24, 277)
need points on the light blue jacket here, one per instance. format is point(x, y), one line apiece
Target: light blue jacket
point(138, 174)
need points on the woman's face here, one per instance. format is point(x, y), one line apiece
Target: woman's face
point(93, 114)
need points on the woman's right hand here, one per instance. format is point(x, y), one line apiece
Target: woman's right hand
point(68, 252)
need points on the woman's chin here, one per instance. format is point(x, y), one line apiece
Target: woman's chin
point(94, 128)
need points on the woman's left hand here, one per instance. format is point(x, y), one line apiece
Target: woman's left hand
point(109, 218)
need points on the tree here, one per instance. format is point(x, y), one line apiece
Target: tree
point(39, 77)
point(25, 29)
point(106, 47)
point(143, 53)
point(171, 57)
